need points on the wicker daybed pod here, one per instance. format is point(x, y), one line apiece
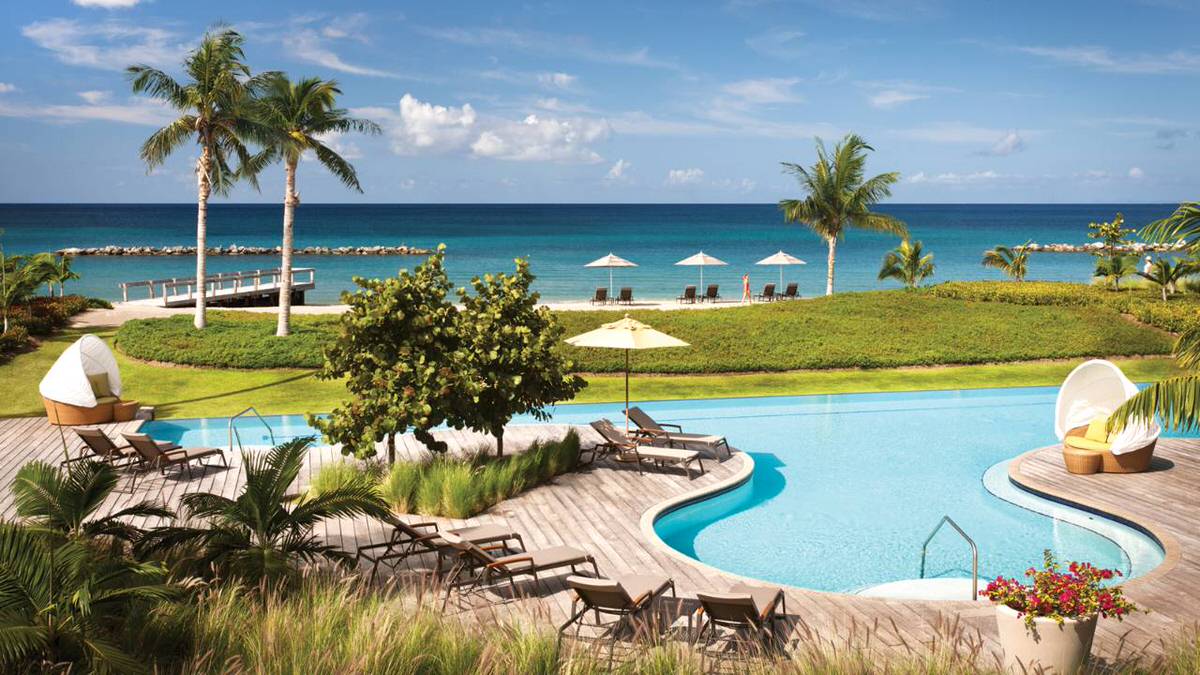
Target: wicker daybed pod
point(1086, 399)
point(84, 386)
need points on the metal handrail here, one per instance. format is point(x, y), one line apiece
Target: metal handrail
point(974, 552)
point(233, 432)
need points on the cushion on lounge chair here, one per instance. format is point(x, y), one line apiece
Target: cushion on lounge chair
point(102, 400)
point(762, 597)
point(1084, 443)
point(637, 585)
point(100, 385)
point(1097, 429)
point(554, 556)
point(666, 454)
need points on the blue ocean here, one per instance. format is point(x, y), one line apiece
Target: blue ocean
point(558, 240)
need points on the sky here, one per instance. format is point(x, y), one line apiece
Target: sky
point(682, 102)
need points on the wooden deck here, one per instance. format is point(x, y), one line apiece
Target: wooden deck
point(599, 509)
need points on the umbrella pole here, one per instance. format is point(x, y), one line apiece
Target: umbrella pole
point(610, 293)
point(626, 392)
point(781, 277)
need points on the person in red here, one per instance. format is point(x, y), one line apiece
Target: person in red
point(746, 297)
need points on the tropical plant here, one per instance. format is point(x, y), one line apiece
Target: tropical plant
point(214, 103)
point(512, 353)
point(1182, 225)
point(298, 117)
point(1013, 262)
point(399, 350)
point(1167, 274)
point(1054, 594)
point(1110, 262)
point(64, 603)
point(263, 535)
point(838, 196)
point(908, 264)
point(61, 275)
point(20, 277)
point(1115, 268)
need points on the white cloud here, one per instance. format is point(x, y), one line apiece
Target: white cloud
point(617, 171)
point(557, 80)
point(417, 126)
point(110, 45)
point(6, 88)
point(555, 104)
point(312, 46)
point(407, 184)
point(1136, 173)
point(764, 91)
point(572, 46)
point(1100, 58)
point(137, 110)
point(685, 176)
point(107, 4)
point(95, 97)
point(889, 94)
point(781, 43)
point(890, 98)
point(952, 178)
point(951, 132)
point(1095, 175)
point(538, 139)
point(336, 141)
point(743, 186)
point(1007, 145)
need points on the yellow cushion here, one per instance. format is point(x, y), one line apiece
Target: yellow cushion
point(1083, 443)
point(101, 400)
point(1096, 430)
point(100, 385)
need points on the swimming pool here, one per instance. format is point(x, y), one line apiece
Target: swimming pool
point(847, 487)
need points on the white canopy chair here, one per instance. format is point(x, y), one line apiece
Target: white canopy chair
point(83, 385)
point(1085, 400)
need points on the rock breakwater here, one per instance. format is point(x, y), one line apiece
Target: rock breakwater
point(234, 249)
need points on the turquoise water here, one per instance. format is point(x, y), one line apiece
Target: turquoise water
point(558, 240)
point(846, 487)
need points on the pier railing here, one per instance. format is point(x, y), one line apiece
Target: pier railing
point(219, 285)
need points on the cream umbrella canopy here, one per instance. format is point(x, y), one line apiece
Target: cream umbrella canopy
point(701, 260)
point(610, 261)
point(625, 334)
point(781, 259)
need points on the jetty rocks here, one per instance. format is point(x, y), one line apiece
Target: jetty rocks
point(1098, 247)
point(234, 249)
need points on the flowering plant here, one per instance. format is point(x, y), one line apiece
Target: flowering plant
point(1077, 593)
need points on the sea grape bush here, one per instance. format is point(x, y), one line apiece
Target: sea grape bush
point(1054, 594)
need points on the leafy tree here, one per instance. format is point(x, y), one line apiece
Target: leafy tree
point(214, 103)
point(511, 347)
point(261, 535)
point(907, 264)
point(20, 277)
point(61, 275)
point(1111, 264)
point(838, 196)
point(298, 117)
point(1013, 262)
point(1166, 274)
point(398, 349)
point(1115, 268)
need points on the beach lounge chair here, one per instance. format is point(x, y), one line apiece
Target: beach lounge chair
point(745, 617)
point(673, 433)
point(103, 449)
point(615, 441)
point(710, 294)
point(154, 457)
point(626, 296)
point(628, 598)
point(791, 292)
point(409, 539)
point(689, 295)
point(601, 297)
point(477, 567)
point(768, 293)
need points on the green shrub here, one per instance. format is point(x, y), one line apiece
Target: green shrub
point(461, 495)
point(398, 487)
point(98, 303)
point(231, 340)
point(14, 340)
point(335, 475)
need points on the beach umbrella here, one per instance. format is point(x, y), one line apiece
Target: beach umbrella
point(701, 260)
point(610, 261)
point(627, 334)
point(781, 259)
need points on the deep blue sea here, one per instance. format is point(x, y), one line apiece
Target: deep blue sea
point(558, 240)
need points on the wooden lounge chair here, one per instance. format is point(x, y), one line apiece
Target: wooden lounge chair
point(768, 293)
point(625, 297)
point(103, 449)
point(627, 597)
point(154, 457)
point(710, 293)
point(615, 441)
point(409, 539)
point(689, 295)
point(601, 297)
point(477, 567)
point(792, 292)
point(673, 433)
point(744, 617)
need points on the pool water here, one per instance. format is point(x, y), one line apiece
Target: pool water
point(847, 487)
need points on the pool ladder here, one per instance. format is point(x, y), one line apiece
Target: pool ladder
point(233, 432)
point(947, 520)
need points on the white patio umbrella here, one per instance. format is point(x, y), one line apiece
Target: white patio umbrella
point(610, 261)
point(701, 260)
point(781, 259)
point(625, 334)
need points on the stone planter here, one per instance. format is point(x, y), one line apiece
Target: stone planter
point(1049, 648)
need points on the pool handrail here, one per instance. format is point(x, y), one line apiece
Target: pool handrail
point(974, 552)
point(233, 432)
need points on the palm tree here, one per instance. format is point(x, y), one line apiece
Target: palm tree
point(20, 277)
point(906, 264)
point(298, 115)
point(1115, 268)
point(214, 106)
point(1012, 261)
point(63, 603)
point(1182, 225)
point(1166, 275)
point(261, 536)
point(62, 274)
point(838, 197)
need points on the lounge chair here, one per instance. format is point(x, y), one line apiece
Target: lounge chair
point(154, 457)
point(792, 292)
point(627, 597)
point(615, 441)
point(601, 297)
point(744, 617)
point(673, 433)
point(768, 293)
point(626, 296)
point(477, 567)
point(710, 294)
point(689, 295)
point(409, 539)
point(103, 449)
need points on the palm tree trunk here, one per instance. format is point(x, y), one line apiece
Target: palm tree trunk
point(203, 189)
point(830, 263)
point(290, 201)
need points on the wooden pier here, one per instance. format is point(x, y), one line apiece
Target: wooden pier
point(226, 288)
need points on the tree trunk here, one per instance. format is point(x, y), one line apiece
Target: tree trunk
point(830, 263)
point(290, 201)
point(203, 189)
point(498, 432)
point(391, 446)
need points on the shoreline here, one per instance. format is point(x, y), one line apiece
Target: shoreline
point(113, 250)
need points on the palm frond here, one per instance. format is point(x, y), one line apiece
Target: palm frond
point(1175, 401)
